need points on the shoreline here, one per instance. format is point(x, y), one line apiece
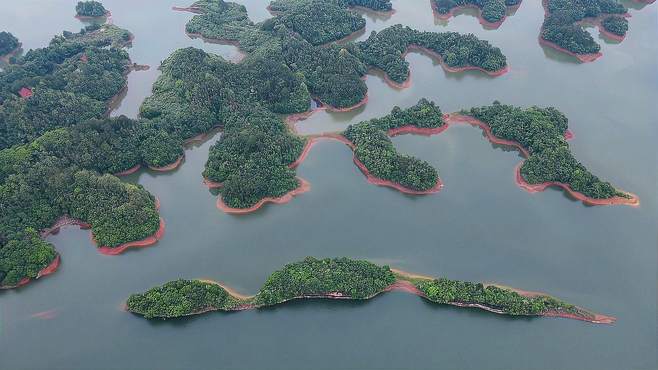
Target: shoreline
point(372, 179)
point(303, 187)
point(129, 171)
point(241, 53)
point(434, 55)
point(169, 167)
point(595, 21)
point(51, 268)
point(403, 283)
point(146, 242)
point(487, 24)
point(633, 201)
point(107, 14)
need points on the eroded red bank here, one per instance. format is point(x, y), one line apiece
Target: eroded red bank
point(303, 187)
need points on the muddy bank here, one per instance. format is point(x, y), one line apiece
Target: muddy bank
point(129, 171)
point(169, 167)
point(436, 56)
point(303, 187)
point(241, 52)
point(633, 200)
point(148, 241)
point(52, 267)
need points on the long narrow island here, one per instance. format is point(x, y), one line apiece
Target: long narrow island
point(346, 279)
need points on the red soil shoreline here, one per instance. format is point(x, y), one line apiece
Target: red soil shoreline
point(633, 201)
point(107, 14)
point(408, 287)
point(169, 167)
point(129, 171)
point(596, 21)
point(148, 241)
point(484, 22)
point(51, 268)
point(303, 187)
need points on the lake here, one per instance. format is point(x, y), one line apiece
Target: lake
point(480, 227)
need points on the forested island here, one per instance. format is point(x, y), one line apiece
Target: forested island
point(374, 151)
point(283, 70)
point(58, 152)
point(562, 28)
point(90, 9)
point(8, 43)
point(539, 133)
point(492, 12)
point(345, 279)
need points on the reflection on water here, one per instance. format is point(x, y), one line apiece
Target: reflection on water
point(480, 227)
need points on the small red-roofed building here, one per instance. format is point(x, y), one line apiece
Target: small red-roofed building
point(25, 92)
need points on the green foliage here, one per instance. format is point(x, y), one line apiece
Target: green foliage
point(376, 151)
point(378, 5)
point(447, 291)
point(385, 49)
point(90, 9)
point(318, 21)
point(492, 10)
point(179, 298)
point(541, 132)
point(560, 25)
point(8, 43)
point(615, 25)
point(311, 277)
point(23, 257)
point(72, 80)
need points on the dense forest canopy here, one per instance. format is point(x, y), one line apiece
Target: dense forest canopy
point(90, 9)
point(318, 21)
point(561, 22)
point(375, 150)
point(541, 132)
point(356, 279)
point(615, 25)
point(179, 298)
point(54, 151)
point(492, 10)
point(385, 50)
point(8, 43)
point(453, 291)
point(342, 278)
point(71, 80)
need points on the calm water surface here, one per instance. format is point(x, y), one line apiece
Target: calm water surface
point(480, 227)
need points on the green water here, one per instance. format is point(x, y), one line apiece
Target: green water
point(480, 227)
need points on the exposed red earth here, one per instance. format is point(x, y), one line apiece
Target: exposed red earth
point(129, 171)
point(169, 167)
point(407, 286)
point(52, 267)
point(303, 187)
point(484, 22)
point(569, 135)
point(146, 242)
point(633, 201)
point(596, 21)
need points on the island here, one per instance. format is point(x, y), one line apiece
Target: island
point(563, 25)
point(58, 151)
point(346, 279)
point(376, 156)
point(90, 9)
point(539, 134)
point(492, 12)
point(285, 67)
